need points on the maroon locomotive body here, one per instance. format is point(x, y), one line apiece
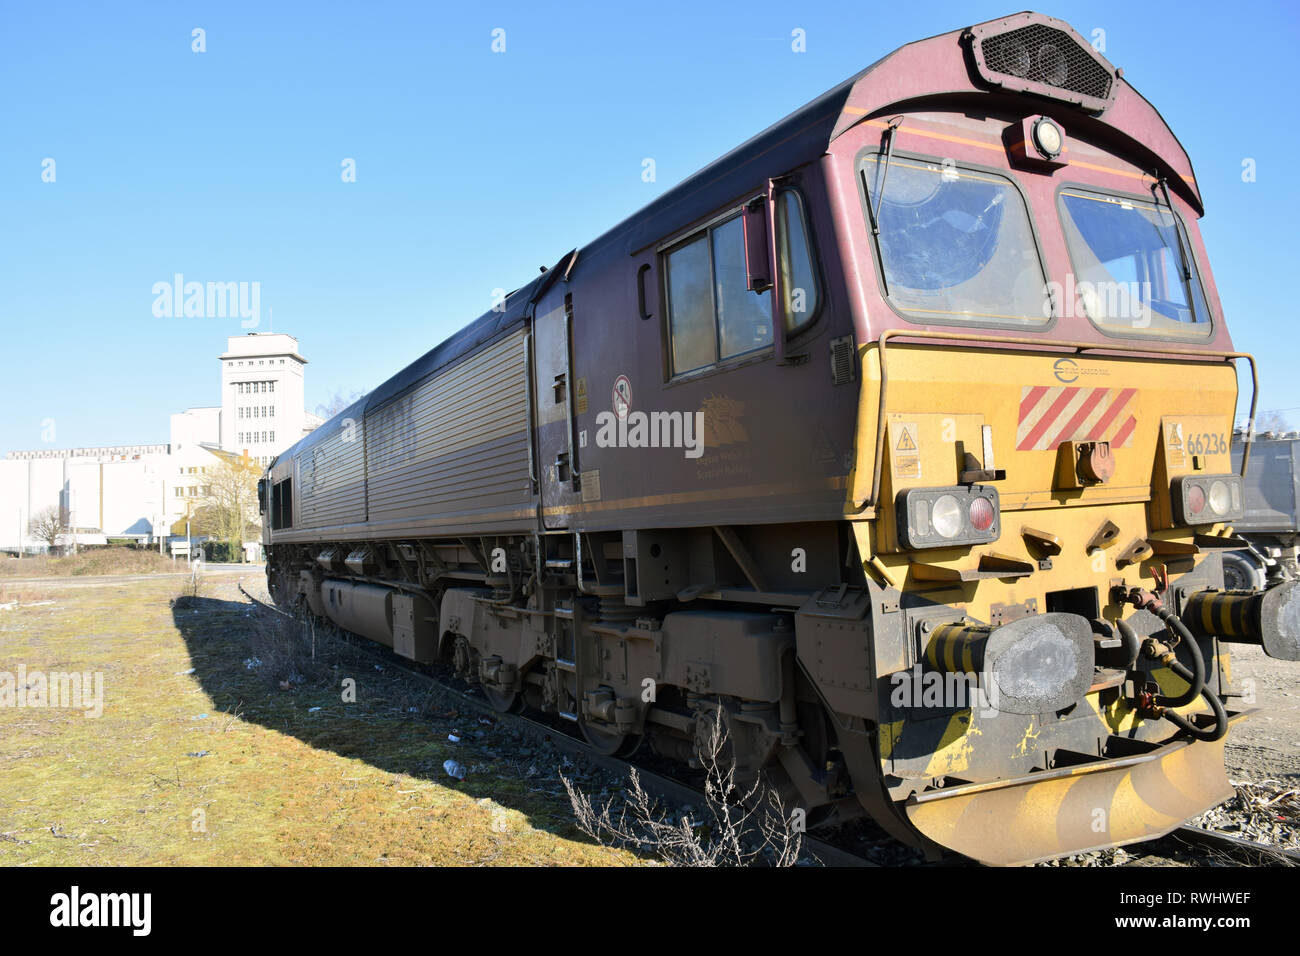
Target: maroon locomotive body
point(891, 390)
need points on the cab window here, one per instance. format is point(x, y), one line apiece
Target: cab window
point(712, 314)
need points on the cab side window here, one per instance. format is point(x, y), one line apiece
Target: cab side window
point(712, 315)
point(282, 504)
point(798, 277)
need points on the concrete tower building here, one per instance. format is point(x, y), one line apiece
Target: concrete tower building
point(262, 395)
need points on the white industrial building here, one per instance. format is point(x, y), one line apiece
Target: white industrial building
point(142, 491)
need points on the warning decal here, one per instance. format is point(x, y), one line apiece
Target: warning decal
point(907, 458)
point(1049, 416)
point(1176, 452)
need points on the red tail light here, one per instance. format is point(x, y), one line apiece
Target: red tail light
point(981, 514)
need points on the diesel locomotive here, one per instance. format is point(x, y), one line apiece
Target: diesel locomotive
point(898, 439)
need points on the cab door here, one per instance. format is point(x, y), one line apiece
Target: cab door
point(556, 407)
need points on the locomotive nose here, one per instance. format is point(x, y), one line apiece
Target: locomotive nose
point(1036, 665)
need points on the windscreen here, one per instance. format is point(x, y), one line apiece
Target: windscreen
point(1132, 268)
point(955, 244)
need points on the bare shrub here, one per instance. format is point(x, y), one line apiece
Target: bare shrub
point(284, 650)
point(738, 828)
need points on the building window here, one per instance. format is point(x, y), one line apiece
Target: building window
point(272, 434)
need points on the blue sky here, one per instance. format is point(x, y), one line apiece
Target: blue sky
point(473, 168)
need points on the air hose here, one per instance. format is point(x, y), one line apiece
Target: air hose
point(1158, 705)
point(1164, 653)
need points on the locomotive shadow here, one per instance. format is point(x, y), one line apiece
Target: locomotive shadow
point(243, 656)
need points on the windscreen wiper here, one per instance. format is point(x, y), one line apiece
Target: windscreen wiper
point(874, 208)
point(1178, 235)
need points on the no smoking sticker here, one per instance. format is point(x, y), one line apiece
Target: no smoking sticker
point(622, 395)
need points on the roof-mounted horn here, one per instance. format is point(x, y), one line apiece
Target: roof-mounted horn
point(1033, 53)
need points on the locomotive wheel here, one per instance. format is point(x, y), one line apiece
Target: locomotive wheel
point(502, 702)
point(609, 744)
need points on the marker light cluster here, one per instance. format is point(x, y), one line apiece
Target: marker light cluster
point(1206, 499)
point(946, 517)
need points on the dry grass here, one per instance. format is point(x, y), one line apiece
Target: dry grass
point(739, 827)
point(16, 594)
point(203, 758)
point(93, 562)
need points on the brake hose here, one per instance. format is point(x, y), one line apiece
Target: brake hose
point(1160, 706)
point(1165, 655)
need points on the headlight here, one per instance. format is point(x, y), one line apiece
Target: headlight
point(944, 517)
point(1206, 499)
point(1048, 137)
point(1219, 499)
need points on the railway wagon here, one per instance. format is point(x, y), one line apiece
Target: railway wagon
point(1270, 523)
point(896, 439)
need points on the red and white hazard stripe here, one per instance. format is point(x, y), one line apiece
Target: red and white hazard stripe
point(1049, 416)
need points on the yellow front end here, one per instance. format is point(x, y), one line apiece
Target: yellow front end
point(1072, 526)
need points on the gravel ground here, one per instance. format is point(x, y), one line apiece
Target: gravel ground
point(1266, 744)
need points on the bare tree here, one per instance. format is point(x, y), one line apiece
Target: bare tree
point(337, 402)
point(1270, 421)
point(230, 508)
point(1273, 421)
point(49, 525)
point(206, 521)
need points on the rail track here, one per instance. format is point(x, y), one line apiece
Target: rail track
point(1184, 846)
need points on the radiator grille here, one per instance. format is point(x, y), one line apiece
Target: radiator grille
point(1043, 54)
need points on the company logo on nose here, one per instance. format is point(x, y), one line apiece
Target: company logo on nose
point(1067, 370)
